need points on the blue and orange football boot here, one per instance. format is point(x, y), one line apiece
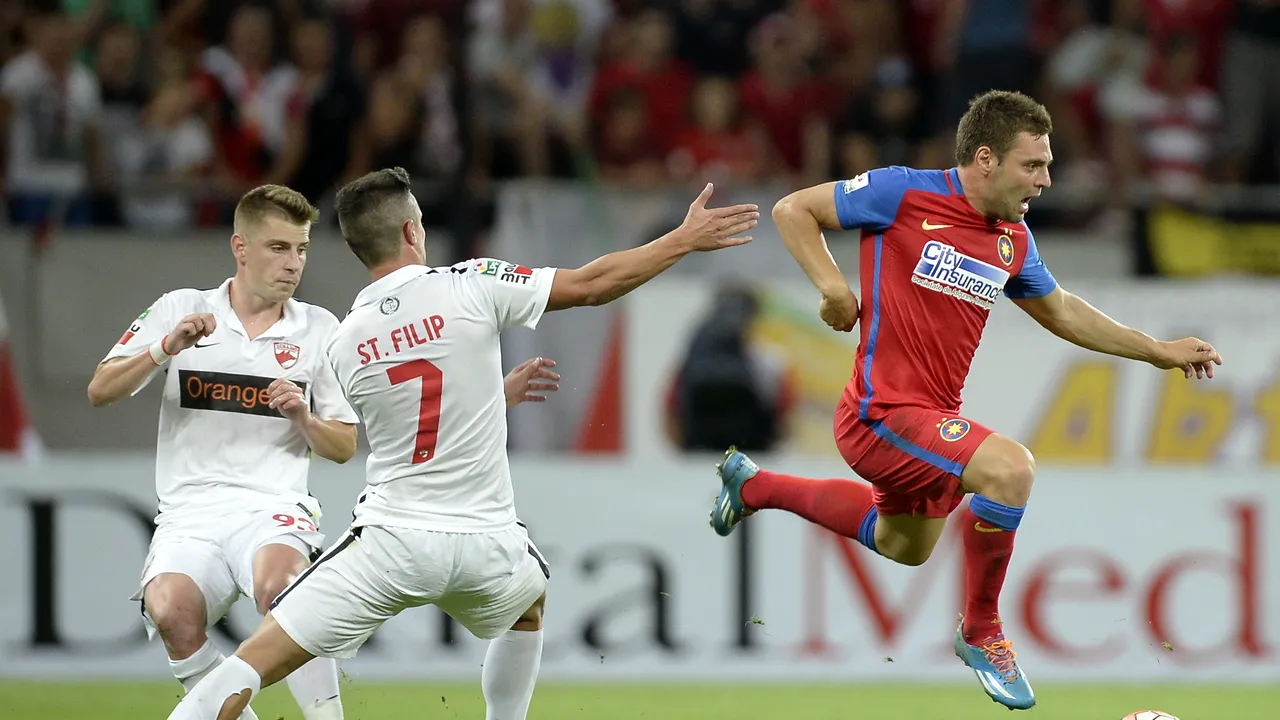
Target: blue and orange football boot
point(734, 471)
point(996, 666)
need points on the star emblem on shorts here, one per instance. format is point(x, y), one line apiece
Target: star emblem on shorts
point(954, 429)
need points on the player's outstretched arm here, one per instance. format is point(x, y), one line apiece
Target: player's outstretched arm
point(120, 377)
point(1076, 321)
point(608, 278)
point(528, 379)
point(801, 217)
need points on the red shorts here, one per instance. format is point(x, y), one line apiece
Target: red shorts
point(912, 457)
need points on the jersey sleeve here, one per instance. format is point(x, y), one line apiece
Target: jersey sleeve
point(517, 294)
point(153, 324)
point(870, 201)
point(1034, 279)
point(327, 398)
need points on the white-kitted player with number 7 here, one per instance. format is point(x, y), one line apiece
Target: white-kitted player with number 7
point(419, 359)
point(248, 397)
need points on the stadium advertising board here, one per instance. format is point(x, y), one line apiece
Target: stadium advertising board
point(1118, 575)
point(1070, 406)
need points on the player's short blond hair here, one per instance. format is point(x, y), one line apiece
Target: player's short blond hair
point(264, 200)
point(995, 119)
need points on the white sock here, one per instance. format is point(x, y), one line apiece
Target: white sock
point(190, 671)
point(510, 672)
point(203, 702)
point(315, 687)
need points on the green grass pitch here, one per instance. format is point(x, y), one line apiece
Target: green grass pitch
point(21, 700)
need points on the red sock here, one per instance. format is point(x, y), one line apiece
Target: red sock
point(986, 556)
point(837, 504)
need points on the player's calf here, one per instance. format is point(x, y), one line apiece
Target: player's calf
point(314, 685)
point(1000, 474)
point(223, 695)
point(511, 666)
point(845, 507)
point(907, 539)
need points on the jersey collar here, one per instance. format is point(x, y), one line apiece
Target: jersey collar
point(380, 288)
point(285, 326)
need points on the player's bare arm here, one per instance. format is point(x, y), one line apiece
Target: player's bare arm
point(801, 217)
point(1071, 318)
point(120, 377)
point(528, 379)
point(608, 278)
point(330, 439)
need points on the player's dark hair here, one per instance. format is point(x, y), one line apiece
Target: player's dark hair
point(371, 212)
point(995, 119)
point(265, 200)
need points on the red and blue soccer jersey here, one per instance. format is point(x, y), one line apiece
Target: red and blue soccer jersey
point(932, 268)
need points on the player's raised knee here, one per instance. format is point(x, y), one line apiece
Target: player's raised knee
point(266, 591)
point(176, 607)
point(1002, 470)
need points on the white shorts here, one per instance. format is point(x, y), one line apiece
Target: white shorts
point(216, 549)
point(485, 581)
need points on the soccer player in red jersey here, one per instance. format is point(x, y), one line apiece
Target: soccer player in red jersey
point(938, 247)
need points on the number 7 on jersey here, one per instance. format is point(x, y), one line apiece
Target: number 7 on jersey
point(424, 444)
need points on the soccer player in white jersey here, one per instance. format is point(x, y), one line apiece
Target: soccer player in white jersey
point(418, 357)
point(248, 397)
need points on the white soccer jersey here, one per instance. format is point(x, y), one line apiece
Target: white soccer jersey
point(419, 358)
point(219, 443)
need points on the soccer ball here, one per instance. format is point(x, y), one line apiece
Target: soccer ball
point(1149, 715)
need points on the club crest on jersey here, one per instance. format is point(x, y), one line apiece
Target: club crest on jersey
point(953, 430)
point(946, 270)
point(287, 354)
point(1004, 247)
point(389, 305)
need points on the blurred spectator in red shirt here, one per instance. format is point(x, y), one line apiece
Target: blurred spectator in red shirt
point(718, 146)
point(1164, 132)
point(793, 106)
point(650, 68)
point(626, 153)
point(247, 99)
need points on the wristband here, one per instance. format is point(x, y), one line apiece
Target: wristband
point(159, 355)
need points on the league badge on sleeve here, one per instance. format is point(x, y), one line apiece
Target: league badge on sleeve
point(134, 328)
point(287, 354)
point(856, 183)
point(516, 275)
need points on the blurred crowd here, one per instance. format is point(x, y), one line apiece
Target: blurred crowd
point(152, 113)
